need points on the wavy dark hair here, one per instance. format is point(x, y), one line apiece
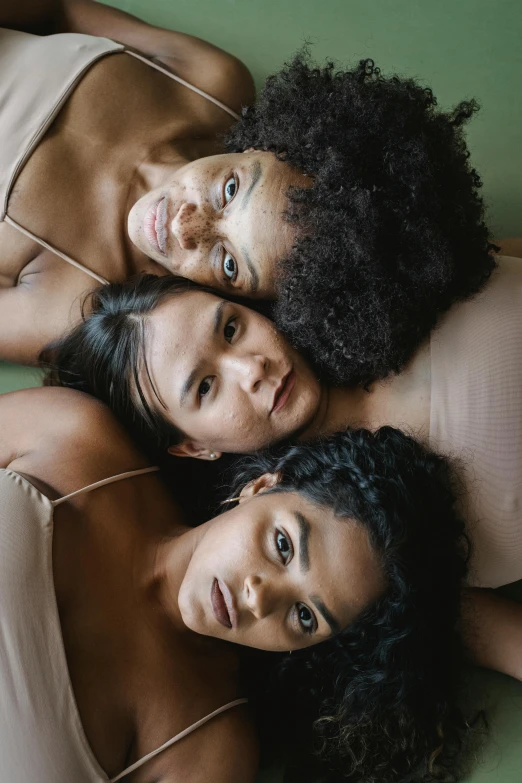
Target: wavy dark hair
point(378, 702)
point(104, 354)
point(390, 234)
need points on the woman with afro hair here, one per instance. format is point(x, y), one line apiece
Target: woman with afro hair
point(391, 231)
point(345, 196)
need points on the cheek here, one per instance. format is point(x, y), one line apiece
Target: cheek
point(236, 426)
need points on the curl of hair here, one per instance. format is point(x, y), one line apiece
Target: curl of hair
point(379, 701)
point(391, 232)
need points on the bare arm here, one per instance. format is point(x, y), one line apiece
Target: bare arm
point(493, 631)
point(208, 67)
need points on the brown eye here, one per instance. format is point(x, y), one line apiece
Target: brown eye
point(306, 618)
point(230, 330)
point(205, 386)
point(284, 546)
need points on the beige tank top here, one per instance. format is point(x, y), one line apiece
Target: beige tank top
point(41, 735)
point(37, 75)
point(476, 416)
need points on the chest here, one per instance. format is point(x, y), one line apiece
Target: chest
point(79, 183)
point(137, 681)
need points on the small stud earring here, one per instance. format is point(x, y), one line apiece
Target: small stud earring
point(212, 455)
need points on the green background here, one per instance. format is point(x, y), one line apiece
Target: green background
point(471, 48)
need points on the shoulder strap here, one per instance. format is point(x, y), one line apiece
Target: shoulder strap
point(179, 736)
point(103, 482)
point(185, 83)
point(45, 244)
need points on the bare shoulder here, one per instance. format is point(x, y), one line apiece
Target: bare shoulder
point(206, 66)
point(63, 437)
point(219, 73)
point(56, 410)
point(225, 750)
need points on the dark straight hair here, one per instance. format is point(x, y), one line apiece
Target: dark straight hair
point(104, 355)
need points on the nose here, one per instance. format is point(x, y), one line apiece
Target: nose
point(260, 596)
point(250, 369)
point(187, 227)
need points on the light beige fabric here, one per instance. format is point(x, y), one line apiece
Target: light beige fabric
point(476, 416)
point(37, 75)
point(41, 735)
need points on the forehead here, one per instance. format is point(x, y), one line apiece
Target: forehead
point(180, 324)
point(177, 333)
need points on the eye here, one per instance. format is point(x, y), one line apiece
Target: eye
point(230, 189)
point(229, 267)
point(306, 619)
point(230, 330)
point(284, 546)
point(205, 386)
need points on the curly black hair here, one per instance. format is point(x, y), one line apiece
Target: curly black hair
point(390, 234)
point(377, 702)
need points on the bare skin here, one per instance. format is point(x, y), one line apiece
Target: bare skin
point(147, 654)
point(88, 194)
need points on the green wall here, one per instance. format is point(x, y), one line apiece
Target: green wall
point(471, 48)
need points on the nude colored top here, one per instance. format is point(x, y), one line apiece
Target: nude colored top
point(38, 74)
point(41, 734)
point(476, 416)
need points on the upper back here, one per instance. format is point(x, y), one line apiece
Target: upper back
point(476, 417)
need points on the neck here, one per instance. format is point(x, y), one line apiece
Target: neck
point(340, 408)
point(163, 565)
point(155, 170)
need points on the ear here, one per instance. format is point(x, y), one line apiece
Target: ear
point(190, 449)
point(264, 482)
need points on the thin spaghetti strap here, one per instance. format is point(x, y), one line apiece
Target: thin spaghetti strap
point(185, 83)
point(178, 737)
point(103, 482)
point(45, 244)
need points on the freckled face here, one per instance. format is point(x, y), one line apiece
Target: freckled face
point(224, 375)
point(220, 221)
point(279, 573)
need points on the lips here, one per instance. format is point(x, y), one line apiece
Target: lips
point(283, 391)
point(155, 225)
point(223, 604)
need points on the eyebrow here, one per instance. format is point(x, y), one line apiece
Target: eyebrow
point(330, 619)
point(256, 176)
point(254, 277)
point(304, 538)
point(189, 383)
